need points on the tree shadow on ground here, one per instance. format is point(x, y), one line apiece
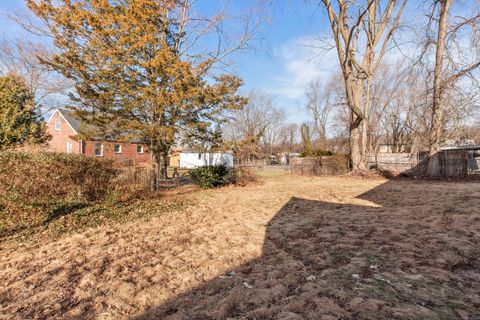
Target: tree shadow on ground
point(387, 257)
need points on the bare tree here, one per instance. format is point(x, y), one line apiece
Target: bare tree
point(258, 122)
point(289, 136)
point(375, 24)
point(444, 78)
point(320, 102)
point(21, 57)
point(398, 121)
point(272, 134)
point(391, 106)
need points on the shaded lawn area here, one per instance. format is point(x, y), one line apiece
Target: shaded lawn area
point(291, 248)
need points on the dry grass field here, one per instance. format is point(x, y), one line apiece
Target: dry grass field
point(289, 248)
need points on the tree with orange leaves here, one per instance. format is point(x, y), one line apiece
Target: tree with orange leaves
point(134, 74)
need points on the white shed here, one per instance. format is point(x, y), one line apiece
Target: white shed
point(191, 159)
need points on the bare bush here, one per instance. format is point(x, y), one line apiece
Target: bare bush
point(319, 166)
point(244, 176)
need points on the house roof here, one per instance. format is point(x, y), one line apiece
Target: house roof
point(70, 118)
point(76, 123)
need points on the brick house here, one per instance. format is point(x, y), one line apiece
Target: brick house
point(63, 128)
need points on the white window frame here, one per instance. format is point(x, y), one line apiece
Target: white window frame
point(119, 148)
point(58, 124)
point(141, 149)
point(69, 147)
point(101, 149)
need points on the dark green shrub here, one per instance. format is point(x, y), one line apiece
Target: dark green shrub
point(210, 176)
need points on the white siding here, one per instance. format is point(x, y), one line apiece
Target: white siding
point(191, 160)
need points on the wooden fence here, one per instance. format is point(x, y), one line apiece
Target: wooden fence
point(254, 163)
point(143, 176)
point(460, 162)
point(317, 166)
point(408, 163)
point(453, 162)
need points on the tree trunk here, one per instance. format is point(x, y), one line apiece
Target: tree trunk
point(365, 150)
point(160, 165)
point(354, 96)
point(364, 142)
point(356, 157)
point(437, 124)
point(164, 166)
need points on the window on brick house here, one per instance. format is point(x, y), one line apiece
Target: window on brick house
point(58, 122)
point(69, 147)
point(139, 149)
point(98, 149)
point(117, 148)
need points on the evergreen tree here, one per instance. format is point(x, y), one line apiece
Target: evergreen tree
point(130, 78)
point(19, 120)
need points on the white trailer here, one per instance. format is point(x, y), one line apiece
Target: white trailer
point(190, 160)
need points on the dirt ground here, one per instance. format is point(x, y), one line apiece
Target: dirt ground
point(290, 248)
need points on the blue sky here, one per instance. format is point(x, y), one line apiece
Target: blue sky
point(283, 63)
